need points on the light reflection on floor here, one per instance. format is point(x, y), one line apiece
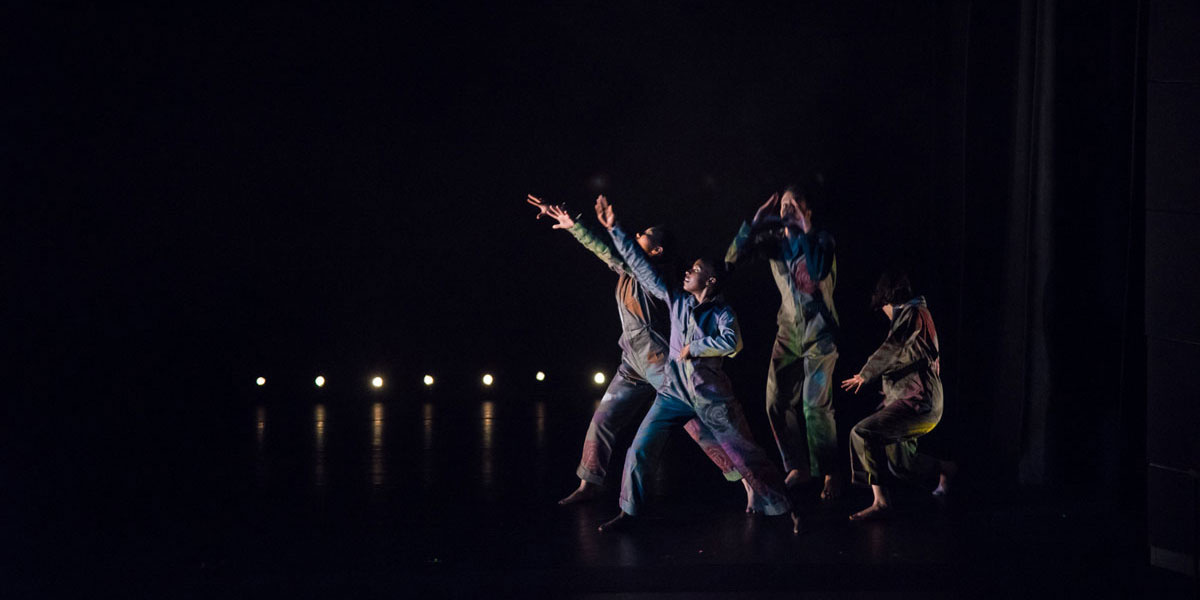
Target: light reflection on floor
point(446, 491)
point(378, 457)
point(319, 467)
point(487, 444)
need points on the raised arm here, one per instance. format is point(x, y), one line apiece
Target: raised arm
point(596, 244)
point(726, 342)
point(753, 239)
point(631, 253)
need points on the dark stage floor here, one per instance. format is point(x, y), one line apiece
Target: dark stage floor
point(389, 496)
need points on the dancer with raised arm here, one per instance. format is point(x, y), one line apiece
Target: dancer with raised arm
point(800, 376)
point(643, 342)
point(885, 443)
point(704, 330)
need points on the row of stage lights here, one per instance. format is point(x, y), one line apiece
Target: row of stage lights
point(487, 379)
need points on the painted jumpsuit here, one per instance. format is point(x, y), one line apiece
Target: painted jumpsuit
point(696, 388)
point(643, 357)
point(800, 376)
point(884, 445)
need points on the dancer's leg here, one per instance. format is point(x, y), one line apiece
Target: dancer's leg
point(624, 398)
point(820, 428)
point(785, 379)
point(712, 448)
point(885, 444)
point(725, 419)
point(645, 451)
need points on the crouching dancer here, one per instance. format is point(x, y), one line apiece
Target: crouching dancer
point(643, 343)
point(885, 443)
point(703, 330)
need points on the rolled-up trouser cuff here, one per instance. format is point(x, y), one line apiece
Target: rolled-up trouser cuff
point(589, 476)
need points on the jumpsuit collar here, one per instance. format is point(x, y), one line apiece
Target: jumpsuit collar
point(694, 304)
point(919, 301)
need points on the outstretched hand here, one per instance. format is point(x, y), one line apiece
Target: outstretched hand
point(604, 212)
point(766, 209)
point(560, 214)
point(853, 384)
point(553, 211)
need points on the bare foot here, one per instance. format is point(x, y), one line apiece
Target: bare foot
point(833, 488)
point(795, 478)
point(751, 498)
point(873, 512)
point(622, 522)
point(585, 492)
point(949, 470)
point(797, 526)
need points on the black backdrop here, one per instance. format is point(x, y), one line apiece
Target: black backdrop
point(201, 195)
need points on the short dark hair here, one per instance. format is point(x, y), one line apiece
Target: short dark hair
point(893, 287)
point(719, 272)
point(666, 239)
point(811, 188)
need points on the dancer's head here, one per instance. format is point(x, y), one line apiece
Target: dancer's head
point(793, 204)
point(802, 197)
point(704, 273)
point(655, 241)
point(892, 288)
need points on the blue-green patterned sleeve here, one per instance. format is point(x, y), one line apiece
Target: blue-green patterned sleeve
point(597, 246)
point(750, 243)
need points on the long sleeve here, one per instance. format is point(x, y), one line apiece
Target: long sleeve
point(891, 355)
point(749, 243)
point(636, 261)
point(597, 245)
point(818, 250)
point(726, 342)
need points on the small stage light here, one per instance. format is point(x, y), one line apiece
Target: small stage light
point(261, 381)
point(320, 381)
point(540, 376)
point(428, 380)
point(377, 382)
point(487, 379)
point(598, 378)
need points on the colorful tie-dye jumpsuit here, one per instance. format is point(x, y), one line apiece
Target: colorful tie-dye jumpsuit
point(695, 388)
point(800, 376)
point(885, 443)
point(643, 357)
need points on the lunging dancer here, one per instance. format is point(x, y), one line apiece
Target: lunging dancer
point(703, 330)
point(885, 443)
point(800, 375)
point(643, 342)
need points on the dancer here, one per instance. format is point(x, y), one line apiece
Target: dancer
point(800, 376)
point(885, 443)
point(703, 330)
point(643, 343)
